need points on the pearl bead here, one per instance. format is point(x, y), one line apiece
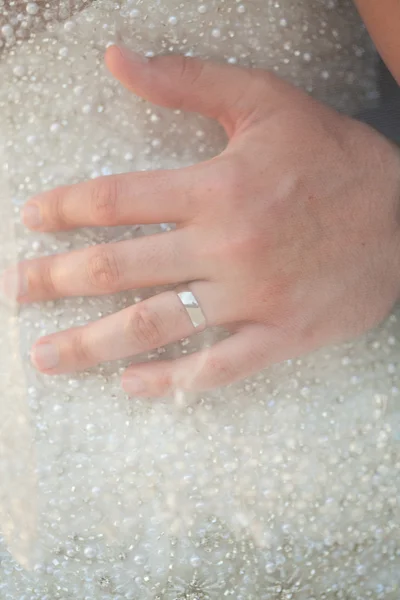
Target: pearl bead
point(32, 8)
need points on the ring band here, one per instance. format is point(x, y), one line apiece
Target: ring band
point(193, 309)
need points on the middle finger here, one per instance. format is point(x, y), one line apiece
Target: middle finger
point(160, 259)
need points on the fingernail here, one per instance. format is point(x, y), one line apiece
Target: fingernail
point(32, 216)
point(132, 56)
point(45, 356)
point(135, 385)
point(14, 284)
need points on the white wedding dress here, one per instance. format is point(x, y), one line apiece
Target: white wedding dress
point(283, 487)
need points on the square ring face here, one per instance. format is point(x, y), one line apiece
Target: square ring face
point(192, 307)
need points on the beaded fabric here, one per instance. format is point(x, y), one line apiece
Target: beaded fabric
point(285, 486)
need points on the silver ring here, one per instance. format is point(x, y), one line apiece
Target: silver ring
point(193, 308)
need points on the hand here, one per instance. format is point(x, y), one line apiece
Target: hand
point(290, 237)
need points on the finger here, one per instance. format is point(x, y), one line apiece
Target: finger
point(145, 326)
point(239, 356)
point(161, 259)
point(131, 198)
point(224, 92)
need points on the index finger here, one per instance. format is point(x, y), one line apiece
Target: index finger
point(150, 197)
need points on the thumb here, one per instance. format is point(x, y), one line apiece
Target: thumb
point(230, 94)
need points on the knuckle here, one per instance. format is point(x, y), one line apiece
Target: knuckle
point(249, 99)
point(81, 354)
point(249, 245)
point(103, 200)
point(277, 301)
point(224, 186)
point(191, 70)
point(219, 371)
point(145, 327)
point(164, 384)
point(57, 208)
point(42, 279)
point(242, 250)
point(102, 269)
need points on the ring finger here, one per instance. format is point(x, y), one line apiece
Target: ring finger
point(150, 324)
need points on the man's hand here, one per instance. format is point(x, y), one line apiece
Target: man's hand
point(290, 238)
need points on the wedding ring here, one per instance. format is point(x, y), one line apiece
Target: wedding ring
point(193, 308)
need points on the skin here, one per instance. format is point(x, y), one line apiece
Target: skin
point(290, 238)
point(382, 18)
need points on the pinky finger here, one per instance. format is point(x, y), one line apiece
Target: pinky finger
point(249, 350)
